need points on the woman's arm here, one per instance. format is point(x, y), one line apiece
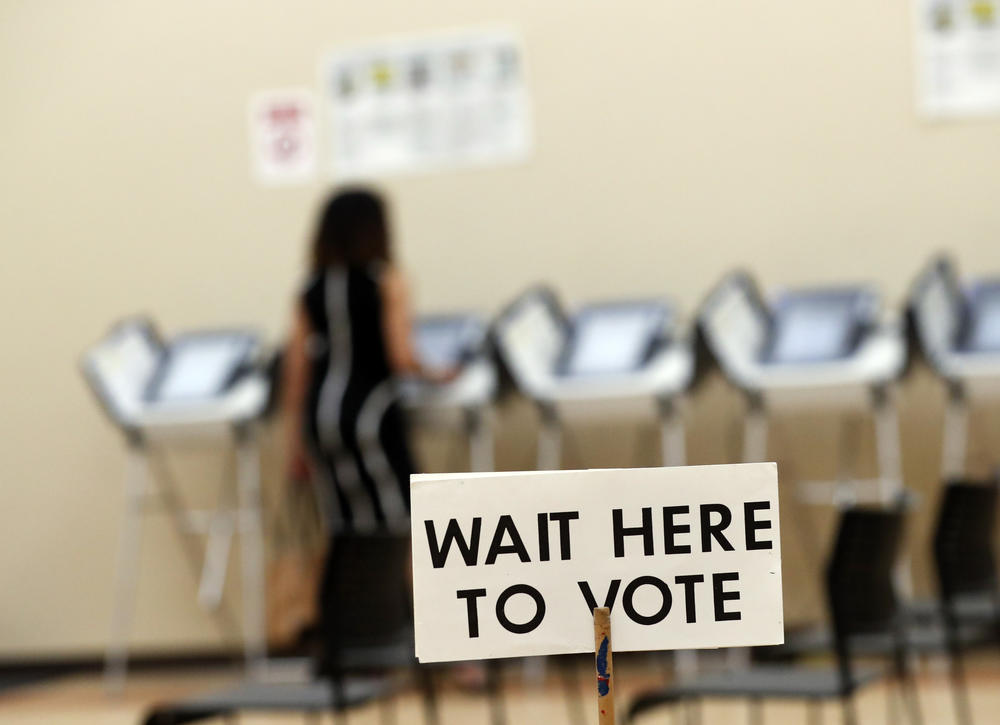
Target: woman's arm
point(397, 330)
point(295, 383)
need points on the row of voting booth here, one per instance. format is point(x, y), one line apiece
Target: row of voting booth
point(820, 349)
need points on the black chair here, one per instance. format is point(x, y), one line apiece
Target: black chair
point(861, 599)
point(366, 620)
point(967, 575)
point(966, 613)
point(366, 635)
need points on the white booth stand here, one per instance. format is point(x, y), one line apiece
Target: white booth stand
point(199, 387)
point(456, 342)
point(813, 349)
point(604, 354)
point(958, 329)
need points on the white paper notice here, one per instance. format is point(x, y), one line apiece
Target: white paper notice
point(508, 564)
point(421, 104)
point(958, 57)
point(283, 136)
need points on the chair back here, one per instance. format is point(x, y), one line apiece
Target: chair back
point(859, 574)
point(860, 585)
point(530, 335)
point(120, 367)
point(365, 608)
point(937, 310)
point(964, 539)
point(735, 324)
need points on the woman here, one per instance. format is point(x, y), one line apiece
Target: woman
point(351, 336)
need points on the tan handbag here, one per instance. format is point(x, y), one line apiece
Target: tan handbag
point(299, 544)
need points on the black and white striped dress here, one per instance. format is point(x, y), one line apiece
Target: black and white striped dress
point(354, 425)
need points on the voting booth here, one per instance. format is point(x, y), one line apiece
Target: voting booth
point(200, 387)
point(456, 342)
point(618, 351)
point(817, 349)
point(958, 330)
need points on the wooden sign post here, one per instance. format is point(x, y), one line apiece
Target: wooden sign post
point(605, 673)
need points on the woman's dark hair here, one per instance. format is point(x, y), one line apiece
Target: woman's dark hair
point(352, 231)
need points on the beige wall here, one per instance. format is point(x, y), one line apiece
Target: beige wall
point(673, 139)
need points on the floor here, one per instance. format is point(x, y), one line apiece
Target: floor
point(81, 699)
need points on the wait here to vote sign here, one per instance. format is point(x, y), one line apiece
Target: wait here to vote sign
point(513, 564)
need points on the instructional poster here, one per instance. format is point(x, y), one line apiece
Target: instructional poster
point(283, 136)
point(421, 104)
point(958, 57)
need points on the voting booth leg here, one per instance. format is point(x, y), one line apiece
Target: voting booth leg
point(251, 547)
point(845, 491)
point(755, 430)
point(425, 681)
point(887, 443)
point(494, 688)
point(890, 474)
point(604, 667)
point(673, 449)
point(755, 433)
point(217, 547)
point(672, 445)
point(849, 710)
point(956, 671)
point(210, 573)
point(956, 422)
point(480, 431)
point(126, 567)
point(549, 440)
point(568, 675)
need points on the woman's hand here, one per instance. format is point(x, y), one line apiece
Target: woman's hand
point(299, 467)
point(397, 332)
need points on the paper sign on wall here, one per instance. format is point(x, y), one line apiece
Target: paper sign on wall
point(958, 56)
point(283, 136)
point(420, 104)
point(513, 564)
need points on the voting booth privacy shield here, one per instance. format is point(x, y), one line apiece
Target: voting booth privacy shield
point(514, 564)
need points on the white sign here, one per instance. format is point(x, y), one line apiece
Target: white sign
point(283, 136)
point(958, 56)
point(420, 104)
point(513, 564)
